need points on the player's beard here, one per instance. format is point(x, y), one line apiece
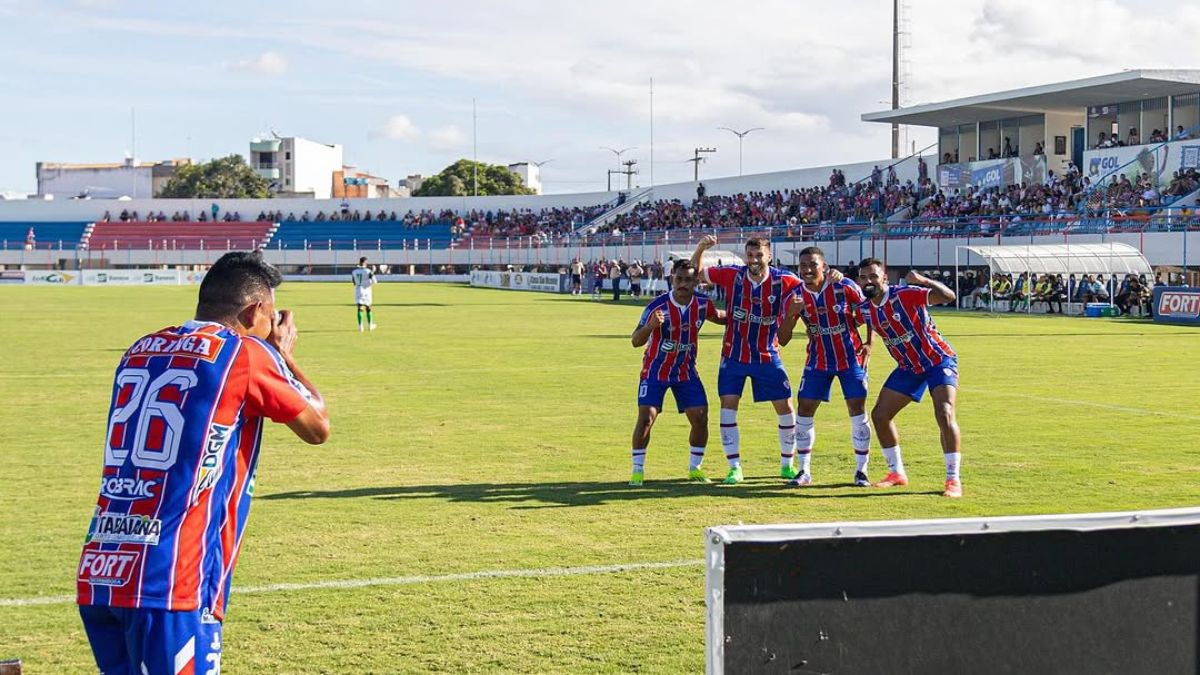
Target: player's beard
point(756, 268)
point(872, 291)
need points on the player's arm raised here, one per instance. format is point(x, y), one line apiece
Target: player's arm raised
point(641, 334)
point(706, 242)
point(312, 424)
point(939, 293)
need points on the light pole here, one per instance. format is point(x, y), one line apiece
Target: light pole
point(740, 135)
point(618, 153)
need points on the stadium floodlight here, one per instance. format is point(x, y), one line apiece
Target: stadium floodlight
point(618, 153)
point(741, 135)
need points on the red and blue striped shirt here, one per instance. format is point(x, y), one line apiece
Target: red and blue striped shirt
point(907, 329)
point(184, 428)
point(671, 352)
point(752, 311)
point(831, 319)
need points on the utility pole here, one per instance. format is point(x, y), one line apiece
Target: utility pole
point(474, 151)
point(696, 161)
point(610, 175)
point(629, 172)
point(618, 154)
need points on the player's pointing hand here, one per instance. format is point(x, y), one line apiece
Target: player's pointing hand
point(656, 319)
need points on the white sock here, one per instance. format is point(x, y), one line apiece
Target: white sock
point(806, 437)
point(952, 461)
point(731, 438)
point(787, 439)
point(695, 458)
point(639, 459)
point(860, 437)
point(894, 461)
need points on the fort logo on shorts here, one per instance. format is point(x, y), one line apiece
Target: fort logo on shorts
point(107, 568)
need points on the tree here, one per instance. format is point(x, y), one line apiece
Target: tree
point(456, 180)
point(225, 178)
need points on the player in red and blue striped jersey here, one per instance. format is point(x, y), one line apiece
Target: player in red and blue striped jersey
point(754, 297)
point(189, 404)
point(828, 303)
point(900, 315)
point(669, 328)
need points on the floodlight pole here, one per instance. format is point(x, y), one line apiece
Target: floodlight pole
point(741, 135)
point(696, 162)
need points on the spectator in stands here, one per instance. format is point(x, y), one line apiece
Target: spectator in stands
point(992, 154)
point(1133, 138)
point(1102, 141)
point(1038, 149)
point(701, 191)
point(922, 172)
point(1181, 134)
point(876, 177)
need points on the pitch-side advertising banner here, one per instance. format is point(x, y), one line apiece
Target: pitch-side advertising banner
point(546, 282)
point(134, 277)
point(1176, 304)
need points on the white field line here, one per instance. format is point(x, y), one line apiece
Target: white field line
point(1089, 404)
point(536, 573)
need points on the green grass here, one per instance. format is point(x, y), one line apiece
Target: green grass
point(488, 430)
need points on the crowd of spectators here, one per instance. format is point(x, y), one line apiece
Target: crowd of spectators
point(1105, 140)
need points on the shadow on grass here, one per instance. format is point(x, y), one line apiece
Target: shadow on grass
point(564, 494)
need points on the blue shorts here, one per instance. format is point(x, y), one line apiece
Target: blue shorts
point(913, 385)
point(688, 394)
point(816, 384)
point(769, 381)
point(152, 640)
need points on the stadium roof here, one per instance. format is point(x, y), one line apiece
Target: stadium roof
point(1108, 258)
point(1062, 97)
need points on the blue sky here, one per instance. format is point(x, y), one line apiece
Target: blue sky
point(393, 81)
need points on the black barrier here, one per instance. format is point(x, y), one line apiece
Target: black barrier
point(1051, 601)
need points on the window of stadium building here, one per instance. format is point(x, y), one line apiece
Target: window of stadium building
point(989, 140)
point(1185, 115)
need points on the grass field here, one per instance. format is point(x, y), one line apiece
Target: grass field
point(482, 430)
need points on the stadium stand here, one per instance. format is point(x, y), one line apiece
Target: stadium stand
point(107, 236)
point(362, 234)
point(13, 235)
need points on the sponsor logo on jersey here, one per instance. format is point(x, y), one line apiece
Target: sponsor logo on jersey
point(124, 489)
point(673, 346)
point(740, 314)
point(107, 568)
point(200, 345)
point(210, 461)
point(899, 339)
point(124, 528)
point(831, 330)
point(1179, 305)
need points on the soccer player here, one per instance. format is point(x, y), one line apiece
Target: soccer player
point(364, 281)
point(576, 276)
point(188, 408)
point(669, 327)
point(755, 294)
point(827, 303)
point(900, 314)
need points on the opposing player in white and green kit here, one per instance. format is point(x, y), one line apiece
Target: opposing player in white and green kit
point(364, 281)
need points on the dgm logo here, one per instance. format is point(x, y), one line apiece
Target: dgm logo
point(1100, 165)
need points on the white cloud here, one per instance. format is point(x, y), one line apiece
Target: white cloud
point(448, 137)
point(266, 63)
point(397, 128)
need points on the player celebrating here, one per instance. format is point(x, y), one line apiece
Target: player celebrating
point(671, 324)
point(828, 304)
point(925, 361)
point(189, 404)
point(754, 296)
point(364, 281)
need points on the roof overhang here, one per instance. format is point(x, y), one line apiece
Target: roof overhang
point(1062, 97)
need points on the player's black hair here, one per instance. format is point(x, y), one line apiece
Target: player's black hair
point(867, 262)
point(758, 242)
point(362, 260)
point(234, 280)
point(682, 264)
point(813, 250)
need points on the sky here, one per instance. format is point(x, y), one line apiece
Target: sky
point(393, 82)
